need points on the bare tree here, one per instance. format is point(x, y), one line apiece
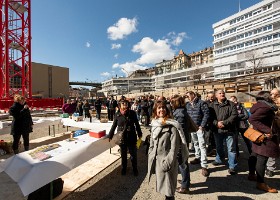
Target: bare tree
point(254, 61)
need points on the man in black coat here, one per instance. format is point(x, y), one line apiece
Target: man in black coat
point(98, 105)
point(112, 104)
point(127, 124)
point(223, 116)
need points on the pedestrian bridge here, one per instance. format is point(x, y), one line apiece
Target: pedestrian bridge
point(85, 83)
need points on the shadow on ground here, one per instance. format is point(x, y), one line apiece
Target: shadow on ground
point(113, 185)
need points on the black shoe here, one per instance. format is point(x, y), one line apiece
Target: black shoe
point(231, 171)
point(215, 163)
point(269, 173)
point(123, 172)
point(135, 172)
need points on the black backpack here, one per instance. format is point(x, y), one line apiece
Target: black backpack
point(47, 192)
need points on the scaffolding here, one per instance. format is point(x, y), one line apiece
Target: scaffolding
point(15, 44)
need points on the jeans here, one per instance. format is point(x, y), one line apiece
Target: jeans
point(185, 173)
point(229, 138)
point(200, 147)
point(271, 164)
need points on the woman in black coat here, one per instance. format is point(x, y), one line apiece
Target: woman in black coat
point(127, 123)
point(262, 117)
point(22, 123)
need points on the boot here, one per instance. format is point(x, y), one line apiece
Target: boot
point(266, 188)
point(16, 151)
point(26, 148)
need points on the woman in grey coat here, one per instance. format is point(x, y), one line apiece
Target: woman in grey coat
point(166, 134)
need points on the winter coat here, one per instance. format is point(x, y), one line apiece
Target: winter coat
point(226, 112)
point(69, 108)
point(132, 125)
point(22, 120)
point(198, 111)
point(180, 115)
point(98, 105)
point(86, 108)
point(162, 159)
point(262, 116)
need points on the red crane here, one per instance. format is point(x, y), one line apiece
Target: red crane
point(15, 44)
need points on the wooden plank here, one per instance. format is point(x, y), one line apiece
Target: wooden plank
point(81, 174)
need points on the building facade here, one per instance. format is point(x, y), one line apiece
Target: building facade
point(138, 81)
point(49, 81)
point(184, 70)
point(248, 42)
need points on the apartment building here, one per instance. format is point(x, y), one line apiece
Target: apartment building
point(184, 70)
point(138, 81)
point(248, 42)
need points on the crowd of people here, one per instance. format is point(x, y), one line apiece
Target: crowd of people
point(209, 127)
point(177, 125)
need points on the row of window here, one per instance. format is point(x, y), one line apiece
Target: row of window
point(254, 32)
point(247, 44)
point(257, 22)
point(250, 14)
point(244, 72)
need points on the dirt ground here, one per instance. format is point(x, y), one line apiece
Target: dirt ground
point(109, 184)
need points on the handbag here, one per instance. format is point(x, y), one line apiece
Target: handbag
point(254, 135)
point(191, 126)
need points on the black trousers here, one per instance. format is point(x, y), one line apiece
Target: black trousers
point(257, 163)
point(133, 155)
point(17, 137)
point(112, 114)
point(246, 140)
point(98, 114)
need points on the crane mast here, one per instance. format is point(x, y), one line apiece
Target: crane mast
point(15, 44)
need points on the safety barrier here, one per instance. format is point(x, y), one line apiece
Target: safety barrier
point(35, 104)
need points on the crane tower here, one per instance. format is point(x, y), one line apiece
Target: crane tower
point(15, 44)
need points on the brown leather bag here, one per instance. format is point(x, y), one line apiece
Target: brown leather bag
point(254, 135)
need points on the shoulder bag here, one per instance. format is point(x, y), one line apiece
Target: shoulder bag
point(254, 135)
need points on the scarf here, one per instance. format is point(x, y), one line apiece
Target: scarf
point(157, 127)
point(271, 105)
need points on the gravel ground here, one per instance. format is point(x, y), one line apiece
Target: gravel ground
point(109, 184)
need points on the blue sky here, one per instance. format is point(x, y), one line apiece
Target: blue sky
point(99, 39)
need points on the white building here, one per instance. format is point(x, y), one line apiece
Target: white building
point(248, 41)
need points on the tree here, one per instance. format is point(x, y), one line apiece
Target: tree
point(254, 61)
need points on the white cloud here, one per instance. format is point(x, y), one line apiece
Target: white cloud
point(116, 46)
point(177, 39)
point(116, 56)
point(116, 65)
point(128, 67)
point(152, 51)
point(105, 74)
point(122, 28)
point(88, 45)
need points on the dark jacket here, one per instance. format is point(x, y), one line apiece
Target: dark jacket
point(198, 111)
point(262, 116)
point(180, 115)
point(226, 112)
point(132, 125)
point(22, 120)
point(243, 116)
point(112, 104)
point(98, 104)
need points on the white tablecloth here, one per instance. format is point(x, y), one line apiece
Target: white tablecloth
point(31, 174)
point(94, 125)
